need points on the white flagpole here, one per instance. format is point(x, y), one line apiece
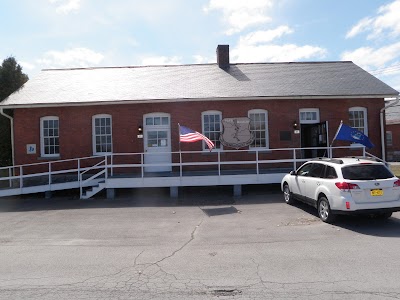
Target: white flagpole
point(180, 153)
point(179, 132)
point(337, 131)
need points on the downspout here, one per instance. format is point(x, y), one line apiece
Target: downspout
point(11, 132)
point(383, 129)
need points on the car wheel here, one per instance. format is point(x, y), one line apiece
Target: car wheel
point(287, 194)
point(324, 210)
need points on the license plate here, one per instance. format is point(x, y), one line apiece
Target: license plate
point(377, 192)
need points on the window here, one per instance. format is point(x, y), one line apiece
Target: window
point(389, 138)
point(212, 127)
point(259, 128)
point(309, 115)
point(49, 140)
point(317, 170)
point(330, 173)
point(366, 172)
point(157, 120)
point(304, 170)
point(157, 138)
point(102, 134)
point(358, 119)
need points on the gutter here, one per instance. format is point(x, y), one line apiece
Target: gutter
point(383, 129)
point(11, 132)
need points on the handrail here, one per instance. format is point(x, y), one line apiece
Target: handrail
point(74, 166)
point(90, 168)
point(94, 167)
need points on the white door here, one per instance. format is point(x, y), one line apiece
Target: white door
point(157, 142)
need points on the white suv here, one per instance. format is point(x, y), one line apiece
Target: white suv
point(348, 185)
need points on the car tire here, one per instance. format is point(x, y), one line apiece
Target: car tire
point(287, 194)
point(324, 210)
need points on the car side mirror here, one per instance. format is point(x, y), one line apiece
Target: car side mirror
point(293, 173)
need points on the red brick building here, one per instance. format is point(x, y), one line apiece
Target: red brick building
point(71, 113)
point(393, 131)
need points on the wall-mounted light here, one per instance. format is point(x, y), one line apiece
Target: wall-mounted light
point(140, 132)
point(295, 125)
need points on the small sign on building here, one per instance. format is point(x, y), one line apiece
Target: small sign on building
point(31, 149)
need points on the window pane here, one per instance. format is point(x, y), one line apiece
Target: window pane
point(165, 121)
point(212, 128)
point(102, 134)
point(152, 135)
point(357, 120)
point(149, 121)
point(258, 128)
point(50, 136)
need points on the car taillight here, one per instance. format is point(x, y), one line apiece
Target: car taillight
point(346, 186)
point(396, 183)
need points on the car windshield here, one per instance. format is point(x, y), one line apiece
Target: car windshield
point(366, 172)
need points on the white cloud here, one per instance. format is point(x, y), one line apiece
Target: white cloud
point(27, 66)
point(200, 59)
point(258, 37)
point(161, 60)
point(361, 26)
point(386, 21)
point(66, 6)
point(72, 58)
point(372, 59)
point(276, 53)
point(239, 15)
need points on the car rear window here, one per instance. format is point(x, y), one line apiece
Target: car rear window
point(366, 172)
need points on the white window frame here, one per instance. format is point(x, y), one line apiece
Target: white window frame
point(365, 121)
point(311, 111)
point(94, 135)
point(43, 137)
point(265, 112)
point(389, 138)
point(206, 133)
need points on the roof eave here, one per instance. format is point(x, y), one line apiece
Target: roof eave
point(141, 101)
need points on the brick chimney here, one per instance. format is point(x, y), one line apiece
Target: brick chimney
point(223, 56)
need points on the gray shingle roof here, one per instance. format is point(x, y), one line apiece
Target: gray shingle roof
point(197, 82)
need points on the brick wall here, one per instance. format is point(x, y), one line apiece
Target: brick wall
point(76, 123)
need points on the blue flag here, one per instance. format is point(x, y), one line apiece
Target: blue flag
point(347, 133)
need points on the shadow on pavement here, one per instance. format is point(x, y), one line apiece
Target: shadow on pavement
point(363, 224)
point(144, 197)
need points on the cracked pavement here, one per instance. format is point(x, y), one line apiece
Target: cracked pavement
point(145, 246)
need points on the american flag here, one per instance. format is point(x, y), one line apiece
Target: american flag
point(188, 135)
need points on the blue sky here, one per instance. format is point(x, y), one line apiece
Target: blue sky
point(44, 34)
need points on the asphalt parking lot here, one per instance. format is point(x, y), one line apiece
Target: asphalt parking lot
point(203, 245)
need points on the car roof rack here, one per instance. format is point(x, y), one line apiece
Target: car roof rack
point(363, 157)
point(328, 159)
